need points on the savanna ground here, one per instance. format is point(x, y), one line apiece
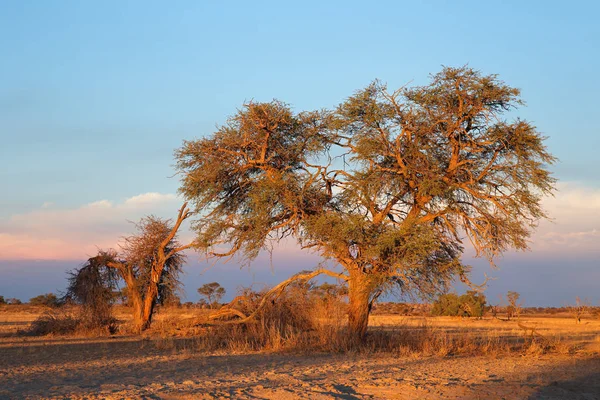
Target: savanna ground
point(439, 357)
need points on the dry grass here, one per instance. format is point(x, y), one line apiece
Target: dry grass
point(302, 324)
point(419, 357)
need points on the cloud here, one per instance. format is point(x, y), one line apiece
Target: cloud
point(52, 234)
point(575, 224)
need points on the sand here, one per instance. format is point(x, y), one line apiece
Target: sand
point(126, 367)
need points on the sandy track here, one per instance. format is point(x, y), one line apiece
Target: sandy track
point(171, 369)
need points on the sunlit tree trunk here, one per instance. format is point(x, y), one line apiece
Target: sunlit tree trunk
point(149, 304)
point(359, 296)
point(137, 305)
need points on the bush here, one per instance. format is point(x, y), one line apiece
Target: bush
point(69, 322)
point(470, 304)
point(47, 300)
point(298, 319)
point(91, 286)
point(14, 302)
point(54, 323)
point(2, 301)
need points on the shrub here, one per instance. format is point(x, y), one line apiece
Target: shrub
point(47, 300)
point(2, 301)
point(298, 319)
point(471, 304)
point(91, 286)
point(54, 323)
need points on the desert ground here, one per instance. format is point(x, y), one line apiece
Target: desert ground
point(158, 365)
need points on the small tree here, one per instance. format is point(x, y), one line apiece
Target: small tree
point(93, 286)
point(149, 263)
point(473, 303)
point(387, 185)
point(212, 292)
point(446, 304)
point(580, 308)
point(2, 301)
point(470, 304)
point(47, 300)
point(514, 306)
point(14, 301)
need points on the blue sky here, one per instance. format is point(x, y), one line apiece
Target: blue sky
point(95, 96)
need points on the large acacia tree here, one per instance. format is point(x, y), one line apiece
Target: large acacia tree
point(388, 185)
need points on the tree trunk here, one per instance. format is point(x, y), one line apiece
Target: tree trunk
point(359, 294)
point(138, 311)
point(149, 303)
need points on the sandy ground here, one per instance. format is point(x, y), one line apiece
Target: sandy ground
point(170, 368)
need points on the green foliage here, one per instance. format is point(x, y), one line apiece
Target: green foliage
point(386, 185)
point(48, 300)
point(471, 304)
point(2, 301)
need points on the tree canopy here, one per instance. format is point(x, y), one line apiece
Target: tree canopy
point(389, 184)
point(213, 292)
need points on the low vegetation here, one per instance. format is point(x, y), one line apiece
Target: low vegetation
point(308, 318)
point(47, 300)
point(470, 304)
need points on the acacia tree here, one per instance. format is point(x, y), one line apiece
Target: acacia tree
point(213, 292)
point(149, 263)
point(388, 185)
point(514, 306)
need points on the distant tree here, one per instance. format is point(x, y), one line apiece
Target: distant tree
point(331, 290)
point(446, 304)
point(14, 301)
point(385, 185)
point(494, 310)
point(579, 309)
point(202, 303)
point(514, 306)
point(212, 292)
point(470, 304)
point(473, 303)
point(2, 301)
point(47, 300)
point(149, 263)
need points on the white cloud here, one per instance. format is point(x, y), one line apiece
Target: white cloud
point(51, 233)
point(575, 225)
point(149, 199)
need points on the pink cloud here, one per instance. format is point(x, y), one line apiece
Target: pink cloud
point(51, 233)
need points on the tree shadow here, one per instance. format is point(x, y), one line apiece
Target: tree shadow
point(586, 387)
point(89, 368)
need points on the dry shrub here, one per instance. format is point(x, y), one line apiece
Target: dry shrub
point(54, 322)
point(70, 322)
point(297, 320)
point(301, 321)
